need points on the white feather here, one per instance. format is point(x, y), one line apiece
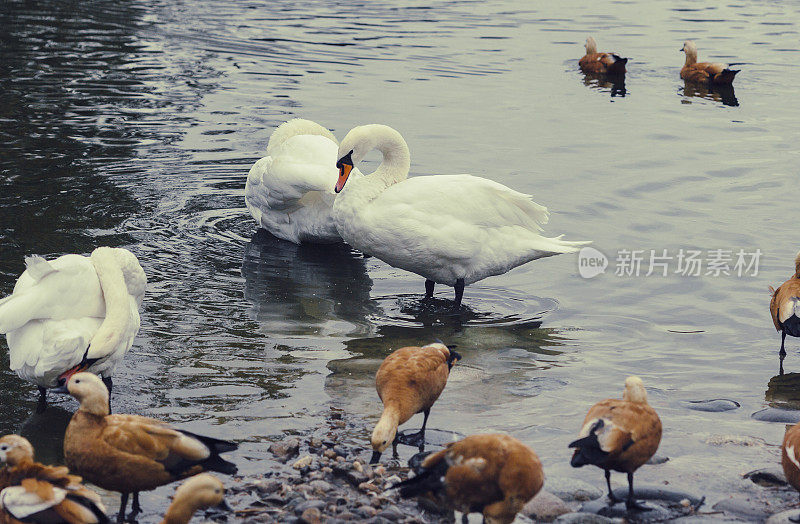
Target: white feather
point(49, 322)
point(443, 227)
point(21, 503)
point(290, 192)
point(792, 456)
point(790, 307)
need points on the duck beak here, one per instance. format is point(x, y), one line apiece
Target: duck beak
point(376, 457)
point(345, 165)
point(224, 507)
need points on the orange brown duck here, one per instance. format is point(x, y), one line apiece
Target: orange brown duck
point(785, 308)
point(620, 435)
point(704, 72)
point(35, 493)
point(601, 63)
point(408, 382)
point(491, 474)
point(130, 453)
point(199, 492)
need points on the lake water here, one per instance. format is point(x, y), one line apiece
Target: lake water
point(135, 125)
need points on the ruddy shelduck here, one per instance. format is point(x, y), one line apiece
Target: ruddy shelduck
point(601, 63)
point(785, 308)
point(36, 493)
point(199, 492)
point(130, 453)
point(491, 474)
point(704, 72)
point(620, 435)
point(408, 382)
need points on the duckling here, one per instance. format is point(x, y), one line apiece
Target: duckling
point(35, 493)
point(601, 63)
point(408, 382)
point(704, 72)
point(199, 492)
point(129, 453)
point(492, 474)
point(785, 309)
point(620, 435)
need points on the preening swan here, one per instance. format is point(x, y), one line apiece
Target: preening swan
point(449, 229)
point(71, 314)
point(290, 191)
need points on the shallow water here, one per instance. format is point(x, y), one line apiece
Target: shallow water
point(135, 125)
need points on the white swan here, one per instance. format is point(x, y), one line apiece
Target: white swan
point(71, 314)
point(290, 191)
point(450, 229)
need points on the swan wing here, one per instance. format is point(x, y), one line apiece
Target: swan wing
point(67, 288)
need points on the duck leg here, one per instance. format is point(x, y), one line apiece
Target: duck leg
point(41, 405)
point(611, 496)
point(135, 507)
point(782, 352)
point(459, 287)
point(631, 502)
point(394, 447)
point(110, 385)
point(123, 503)
point(418, 438)
point(429, 285)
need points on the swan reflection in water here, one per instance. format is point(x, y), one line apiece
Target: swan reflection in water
point(717, 93)
point(306, 288)
point(615, 84)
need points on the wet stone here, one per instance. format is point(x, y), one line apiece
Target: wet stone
point(767, 477)
point(716, 405)
point(303, 462)
point(664, 504)
point(743, 507)
point(785, 416)
point(302, 507)
point(267, 487)
point(583, 518)
point(366, 511)
point(285, 449)
point(392, 513)
point(545, 507)
point(320, 486)
point(311, 516)
point(569, 489)
point(785, 517)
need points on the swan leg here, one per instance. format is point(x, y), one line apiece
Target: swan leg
point(110, 385)
point(41, 405)
point(459, 287)
point(429, 284)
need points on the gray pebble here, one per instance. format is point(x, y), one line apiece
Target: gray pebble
point(309, 504)
point(743, 507)
point(583, 518)
point(784, 516)
point(569, 489)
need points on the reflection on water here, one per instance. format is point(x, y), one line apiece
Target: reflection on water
point(306, 287)
point(614, 84)
point(783, 391)
point(718, 93)
point(45, 431)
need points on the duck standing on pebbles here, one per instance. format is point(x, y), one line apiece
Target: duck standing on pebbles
point(492, 474)
point(785, 308)
point(601, 63)
point(408, 382)
point(704, 72)
point(620, 435)
point(35, 493)
point(129, 453)
point(199, 492)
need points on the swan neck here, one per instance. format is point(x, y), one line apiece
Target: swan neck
point(116, 297)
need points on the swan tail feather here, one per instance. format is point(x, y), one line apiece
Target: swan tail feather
point(16, 310)
point(294, 127)
point(557, 246)
point(38, 267)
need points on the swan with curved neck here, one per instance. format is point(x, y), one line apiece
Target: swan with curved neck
point(73, 314)
point(450, 229)
point(289, 191)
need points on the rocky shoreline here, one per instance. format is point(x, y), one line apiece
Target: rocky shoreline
point(323, 477)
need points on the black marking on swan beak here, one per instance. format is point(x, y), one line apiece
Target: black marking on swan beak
point(346, 159)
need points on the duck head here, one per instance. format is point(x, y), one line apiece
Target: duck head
point(382, 436)
point(634, 391)
point(14, 449)
point(89, 390)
